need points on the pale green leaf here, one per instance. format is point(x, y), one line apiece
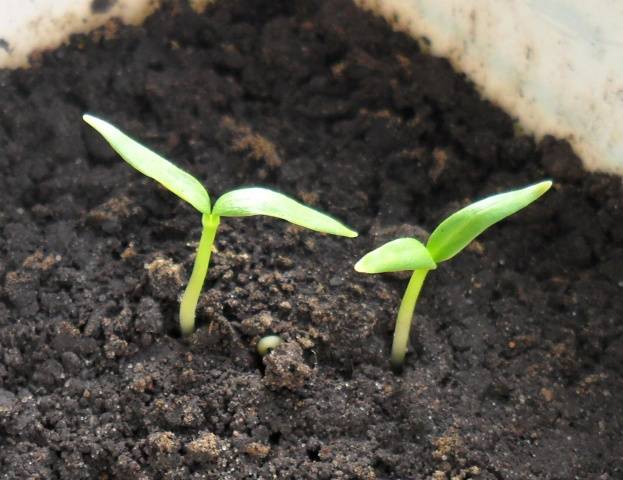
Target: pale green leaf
point(244, 202)
point(396, 256)
point(151, 164)
point(459, 229)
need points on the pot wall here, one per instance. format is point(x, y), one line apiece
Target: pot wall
point(556, 65)
point(30, 26)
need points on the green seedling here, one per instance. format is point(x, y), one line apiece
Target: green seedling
point(241, 202)
point(267, 344)
point(449, 238)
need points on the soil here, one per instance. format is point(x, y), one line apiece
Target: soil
point(516, 363)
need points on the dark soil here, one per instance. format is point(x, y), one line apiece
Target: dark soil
point(515, 370)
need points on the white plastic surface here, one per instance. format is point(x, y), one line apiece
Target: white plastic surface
point(31, 25)
point(557, 65)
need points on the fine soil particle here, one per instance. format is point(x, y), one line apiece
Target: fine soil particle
point(515, 364)
point(285, 367)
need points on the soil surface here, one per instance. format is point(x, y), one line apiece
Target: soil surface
point(515, 369)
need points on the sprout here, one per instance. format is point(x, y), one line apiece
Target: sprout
point(241, 202)
point(449, 238)
point(268, 343)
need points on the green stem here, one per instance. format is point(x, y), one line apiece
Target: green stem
point(405, 317)
point(200, 270)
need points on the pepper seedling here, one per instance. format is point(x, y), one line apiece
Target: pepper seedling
point(449, 238)
point(241, 202)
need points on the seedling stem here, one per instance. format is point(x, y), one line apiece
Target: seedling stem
point(188, 305)
point(405, 316)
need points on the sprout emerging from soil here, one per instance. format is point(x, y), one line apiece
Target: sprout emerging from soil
point(268, 343)
point(449, 238)
point(242, 202)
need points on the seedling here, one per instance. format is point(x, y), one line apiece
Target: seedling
point(241, 202)
point(449, 238)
